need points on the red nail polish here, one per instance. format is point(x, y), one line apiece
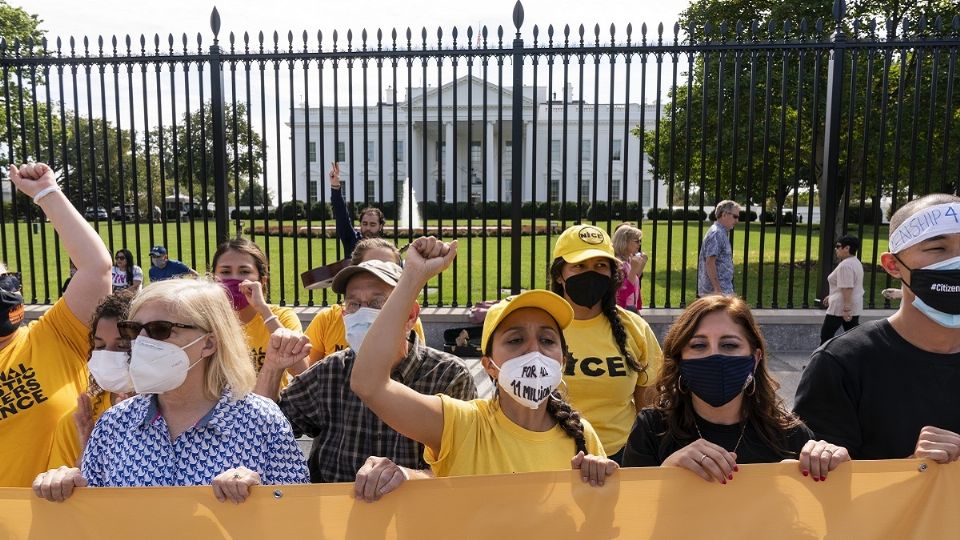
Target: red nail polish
point(736, 469)
point(724, 482)
point(815, 479)
point(806, 473)
point(823, 478)
point(730, 477)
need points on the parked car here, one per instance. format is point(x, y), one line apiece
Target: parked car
point(129, 213)
point(100, 213)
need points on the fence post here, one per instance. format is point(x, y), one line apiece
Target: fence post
point(217, 107)
point(830, 184)
point(516, 185)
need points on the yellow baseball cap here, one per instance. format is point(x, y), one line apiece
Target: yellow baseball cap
point(582, 242)
point(554, 305)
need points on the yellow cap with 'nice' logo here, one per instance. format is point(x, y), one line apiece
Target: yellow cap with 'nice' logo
point(582, 242)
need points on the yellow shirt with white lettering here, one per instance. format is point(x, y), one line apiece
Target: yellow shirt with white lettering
point(42, 371)
point(479, 439)
point(66, 449)
point(600, 383)
point(258, 337)
point(328, 335)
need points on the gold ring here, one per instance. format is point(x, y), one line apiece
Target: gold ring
point(702, 457)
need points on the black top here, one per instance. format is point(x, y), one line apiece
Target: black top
point(649, 445)
point(872, 391)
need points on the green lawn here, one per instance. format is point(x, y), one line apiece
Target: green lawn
point(482, 267)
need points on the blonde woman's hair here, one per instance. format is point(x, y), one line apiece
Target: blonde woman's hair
point(203, 303)
point(622, 237)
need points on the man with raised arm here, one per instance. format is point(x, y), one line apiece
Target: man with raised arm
point(43, 366)
point(371, 219)
point(319, 402)
point(890, 389)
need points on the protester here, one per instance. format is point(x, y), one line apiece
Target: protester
point(888, 390)
point(615, 354)
point(66, 282)
point(43, 365)
point(522, 340)
point(717, 404)
point(371, 218)
point(626, 246)
point(162, 267)
point(189, 364)
point(319, 402)
point(845, 301)
point(125, 272)
point(109, 382)
point(715, 263)
point(241, 268)
point(326, 331)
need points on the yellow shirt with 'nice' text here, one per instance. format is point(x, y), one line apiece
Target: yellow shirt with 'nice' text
point(42, 371)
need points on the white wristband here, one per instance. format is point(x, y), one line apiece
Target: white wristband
point(270, 318)
point(44, 192)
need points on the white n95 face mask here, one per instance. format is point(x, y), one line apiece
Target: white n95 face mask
point(356, 325)
point(157, 366)
point(530, 378)
point(111, 370)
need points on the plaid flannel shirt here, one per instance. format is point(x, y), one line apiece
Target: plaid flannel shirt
point(320, 404)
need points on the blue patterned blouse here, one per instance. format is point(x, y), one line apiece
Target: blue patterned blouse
point(131, 446)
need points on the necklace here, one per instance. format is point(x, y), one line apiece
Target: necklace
point(739, 439)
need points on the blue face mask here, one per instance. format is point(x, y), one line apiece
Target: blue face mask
point(938, 286)
point(718, 378)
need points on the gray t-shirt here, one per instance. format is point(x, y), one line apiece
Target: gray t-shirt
point(716, 243)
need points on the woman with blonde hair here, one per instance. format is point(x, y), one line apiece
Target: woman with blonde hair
point(190, 366)
point(717, 403)
point(626, 245)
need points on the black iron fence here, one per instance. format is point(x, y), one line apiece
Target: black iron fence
point(497, 138)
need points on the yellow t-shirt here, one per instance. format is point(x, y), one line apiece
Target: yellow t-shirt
point(66, 449)
point(258, 337)
point(479, 439)
point(600, 383)
point(328, 335)
point(42, 371)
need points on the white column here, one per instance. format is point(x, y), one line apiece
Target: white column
point(416, 150)
point(491, 180)
point(527, 160)
point(449, 175)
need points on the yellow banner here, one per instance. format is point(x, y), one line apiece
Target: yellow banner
point(879, 499)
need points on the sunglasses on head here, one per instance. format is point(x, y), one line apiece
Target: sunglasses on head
point(11, 282)
point(155, 329)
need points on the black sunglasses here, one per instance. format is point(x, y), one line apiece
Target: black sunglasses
point(155, 329)
point(11, 282)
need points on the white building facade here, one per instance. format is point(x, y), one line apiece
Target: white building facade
point(474, 147)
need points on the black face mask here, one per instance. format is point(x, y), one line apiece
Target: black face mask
point(938, 288)
point(587, 288)
point(11, 312)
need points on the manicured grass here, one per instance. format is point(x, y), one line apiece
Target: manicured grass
point(482, 266)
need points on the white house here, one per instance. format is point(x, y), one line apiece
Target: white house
point(435, 129)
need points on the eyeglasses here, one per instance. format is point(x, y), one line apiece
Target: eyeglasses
point(11, 282)
point(121, 258)
point(354, 306)
point(155, 329)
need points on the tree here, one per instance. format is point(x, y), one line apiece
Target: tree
point(187, 157)
point(21, 34)
point(774, 148)
point(253, 195)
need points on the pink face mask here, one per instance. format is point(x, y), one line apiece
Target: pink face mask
point(232, 286)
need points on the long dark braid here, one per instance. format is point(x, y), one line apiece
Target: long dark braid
point(608, 306)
